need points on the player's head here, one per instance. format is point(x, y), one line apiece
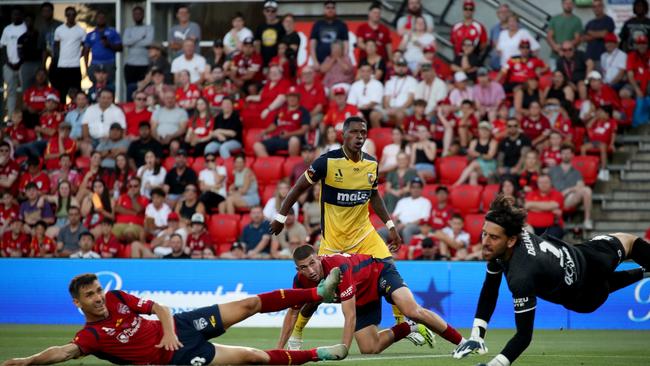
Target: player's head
point(308, 263)
point(355, 132)
point(88, 295)
point(503, 223)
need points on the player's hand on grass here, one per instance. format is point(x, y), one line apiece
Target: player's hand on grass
point(17, 362)
point(170, 342)
point(473, 345)
point(394, 240)
point(276, 227)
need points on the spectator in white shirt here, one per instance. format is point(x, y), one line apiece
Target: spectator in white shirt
point(234, 39)
point(366, 94)
point(152, 174)
point(409, 211)
point(273, 205)
point(156, 213)
point(509, 39)
point(414, 41)
point(399, 93)
point(100, 116)
point(212, 183)
point(192, 62)
point(86, 242)
point(613, 62)
point(10, 70)
point(454, 242)
point(68, 39)
point(431, 89)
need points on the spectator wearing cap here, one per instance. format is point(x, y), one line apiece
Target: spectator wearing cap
point(399, 93)
point(482, 150)
point(104, 42)
point(162, 244)
point(184, 30)
point(638, 68)
point(488, 94)
point(59, 145)
point(74, 117)
point(568, 180)
point(129, 213)
point(255, 235)
point(157, 61)
point(100, 82)
point(565, 27)
point(366, 93)
point(503, 13)
point(179, 177)
point(461, 91)
point(374, 30)
point(269, 33)
point(337, 67)
point(326, 31)
point(227, 133)
point(67, 239)
point(467, 61)
point(9, 41)
point(521, 67)
point(36, 175)
point(34, 98)
point(31, 211)
point(293, 235)
point(111, 147)
point(595, 31)
point(156, 212)
point(86, 243)
point(68, 43)
point(100, 116)
point(338, 111)
point(398, 181)
point(136, 40)
point(237, 251)
point(234, 40)
point(414, 41)
point(246, 66)
point(599, 94)
point(407, 21)
point(409, 211)
point(314, 98)
point(636, 25)
point(613, 62)
point(168, 122)
point(106, 244)
point(199, 242)
point(191, 61)
point(139, 147)
point(48, 127)
point(468, 28)
point(575, 66)
point(288, 131)
point(431, 89)
point(510, 39)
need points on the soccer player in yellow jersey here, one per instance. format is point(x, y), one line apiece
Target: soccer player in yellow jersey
point(349, 179)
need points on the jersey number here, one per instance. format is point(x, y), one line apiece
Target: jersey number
point(547, 247)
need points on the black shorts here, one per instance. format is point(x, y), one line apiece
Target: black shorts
point(389, 281)
point(194, 330)
point(602, 255)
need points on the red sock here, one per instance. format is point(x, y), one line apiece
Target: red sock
point(282, 299)
point(400, 331)
point(284, 357)
point(452, 335)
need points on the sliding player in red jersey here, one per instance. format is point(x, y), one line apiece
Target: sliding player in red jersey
point(116, 332)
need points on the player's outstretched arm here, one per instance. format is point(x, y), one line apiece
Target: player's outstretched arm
point(302, 184)
point(394, 240)
point(49, 356)
point(169, 340)
point(517, 345)
point(287, 327)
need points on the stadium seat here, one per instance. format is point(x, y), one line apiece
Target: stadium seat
point(402, 253)
point(588, 167)
point(266, 192)
point(429, 192)
point(198, 164)
point(268, 170)
point(243, 221)
point(224, 229)
point(289, 164)
point(489, 193)
point(474, 227)
point(381, 136)
point(466, 198)
point(251, 136)
point(450, 168)
point(168, 163)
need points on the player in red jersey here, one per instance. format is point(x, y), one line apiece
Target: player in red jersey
point(115, 331)
point(364, 280)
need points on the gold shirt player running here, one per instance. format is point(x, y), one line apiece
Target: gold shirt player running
point(349, 179)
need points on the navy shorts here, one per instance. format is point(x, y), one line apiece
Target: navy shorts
point(194, 330)
point(389, 281)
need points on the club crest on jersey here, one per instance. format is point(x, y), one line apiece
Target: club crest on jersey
point(200, 324)
point(371, 178)
point(123, 309)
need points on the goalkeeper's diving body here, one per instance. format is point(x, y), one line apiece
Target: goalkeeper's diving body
point(579, 277)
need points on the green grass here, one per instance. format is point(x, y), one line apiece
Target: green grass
point(558, 348)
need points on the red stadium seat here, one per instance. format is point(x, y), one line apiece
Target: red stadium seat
point(198, 164)
point(243, 221)
point(251, 136)
point(474, 227)
point(402, 253)
point(381, 136)
point(266, 192)
point(289, 164)
point(466, 198)
point(588, 167)
point(429, 192)
point(168, 163)
point(224, 229)
point(268, 170)
point(489, 194)
point(450, 168)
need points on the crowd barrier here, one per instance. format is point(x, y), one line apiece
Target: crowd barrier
point(35, 291)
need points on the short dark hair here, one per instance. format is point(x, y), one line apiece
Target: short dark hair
point(457, 216)
point(70, 8)
point(504, 213)
point(303, 252)
point(80, 281)
point(567, 146)
point(87, 233)
point(47, 4)
point(158, 192)
point(353, 119)
point(138, 7)
point(177, 234)
point(40, 223)
point(375, 5)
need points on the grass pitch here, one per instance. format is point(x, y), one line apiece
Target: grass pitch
point(555, 347)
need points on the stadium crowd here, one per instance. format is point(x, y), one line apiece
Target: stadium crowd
point(196, 163)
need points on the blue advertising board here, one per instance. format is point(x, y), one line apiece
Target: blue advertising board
point(34, 291)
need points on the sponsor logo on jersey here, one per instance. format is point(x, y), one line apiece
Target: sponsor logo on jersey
point(338, 176)
point(200, 323)
point(347, 292)
point(354, 198)
point(109, 331)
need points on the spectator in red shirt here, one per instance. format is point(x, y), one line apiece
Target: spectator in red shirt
point(601, 133)
point(199, 128)
point(34, 98)
point(638, 66)
point(376, 31)
point(129, 210)
point(314, 99)
point(551, 154)
point(544, 207)
point(14, 241)
point(246, 66)
point(42, 246)
point(338, 111)
point(424, 244)
point(199, 242)
point(139, 113)
point(468, 29)
point(65, 173)
point(16, 130)
point(8, 211)
point(187, 93)
point(36, 175)
point(59, 145)
point(291, 124)
point(273, 94)
point(217, 88)
point(536, 126)
point(48, 126)
point(520, 68)
point(530, 172)
point(9, 170)
point(599, 94)
point(106, 244)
